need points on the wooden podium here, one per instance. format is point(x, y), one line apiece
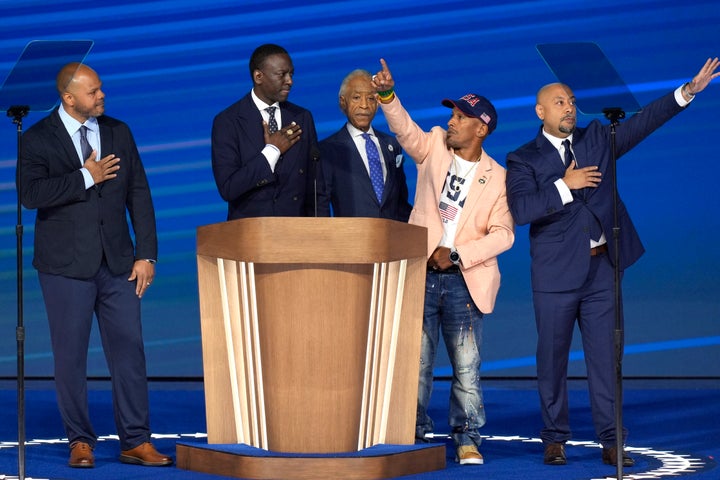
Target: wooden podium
point(311, 333)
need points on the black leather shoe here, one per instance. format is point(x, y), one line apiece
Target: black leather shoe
point(555, 454)
point(609, 457)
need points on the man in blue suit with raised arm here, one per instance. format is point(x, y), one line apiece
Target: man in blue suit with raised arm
point(561, 184)
point(363, 179)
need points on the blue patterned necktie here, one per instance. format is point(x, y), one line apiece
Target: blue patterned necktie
point(376, 173)
point(272, 123)
point(84, 144)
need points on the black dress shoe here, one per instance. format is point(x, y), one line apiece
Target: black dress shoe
point(609, 457)
point(555, 454)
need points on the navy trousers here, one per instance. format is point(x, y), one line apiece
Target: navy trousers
point(593, 306)
point(70, 304)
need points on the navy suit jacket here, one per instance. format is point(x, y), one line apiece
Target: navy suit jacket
point(347, 182)
point(242, 173)
point(560, 234)
point(76, 227)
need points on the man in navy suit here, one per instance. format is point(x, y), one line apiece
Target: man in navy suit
point(564, 190)
point(260, 168)
point(82, 172)
point(346, 165)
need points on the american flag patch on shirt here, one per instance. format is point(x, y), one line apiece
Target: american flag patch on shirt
point(447, 211)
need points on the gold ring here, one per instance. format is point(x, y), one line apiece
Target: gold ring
point(289, 132)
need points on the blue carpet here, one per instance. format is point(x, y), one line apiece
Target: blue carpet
point(673, 433)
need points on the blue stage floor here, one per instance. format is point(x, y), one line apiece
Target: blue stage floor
point(674, 432)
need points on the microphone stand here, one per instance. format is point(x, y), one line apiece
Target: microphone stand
point(17, 113)
point(615, 115)
point(315, 152)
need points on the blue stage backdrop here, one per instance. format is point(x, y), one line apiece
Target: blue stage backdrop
point(169, 66)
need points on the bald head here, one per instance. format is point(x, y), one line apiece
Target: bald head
point(79, 88)
point(555, 106)
point(66, 76)
point(550, 90)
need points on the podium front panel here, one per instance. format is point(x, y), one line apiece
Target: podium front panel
point(311, 357)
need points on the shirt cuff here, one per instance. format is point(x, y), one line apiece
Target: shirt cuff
point(679, 97)
point(272, 154)
point(89, 182)
point(564, 191)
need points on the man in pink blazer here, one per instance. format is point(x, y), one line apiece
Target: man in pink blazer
point(460, 198)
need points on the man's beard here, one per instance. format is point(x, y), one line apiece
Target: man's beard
point(567, 130)
point(95, 111)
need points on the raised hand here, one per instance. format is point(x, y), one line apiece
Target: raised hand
point(382, 81)
point(704, 77)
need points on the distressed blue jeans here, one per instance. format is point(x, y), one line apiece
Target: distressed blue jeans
point(450, 309)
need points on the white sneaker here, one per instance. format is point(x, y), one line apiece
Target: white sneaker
point(468, 455)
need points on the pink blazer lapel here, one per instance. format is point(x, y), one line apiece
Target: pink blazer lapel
point(481, 179)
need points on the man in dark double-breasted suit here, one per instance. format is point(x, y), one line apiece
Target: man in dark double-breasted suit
point(82, 172)
point(561, 184)
point(264, 148)
point(346, 164)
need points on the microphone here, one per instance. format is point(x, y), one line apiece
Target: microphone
point(315, 155)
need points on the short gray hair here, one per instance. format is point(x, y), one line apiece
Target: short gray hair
point(359, 72)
